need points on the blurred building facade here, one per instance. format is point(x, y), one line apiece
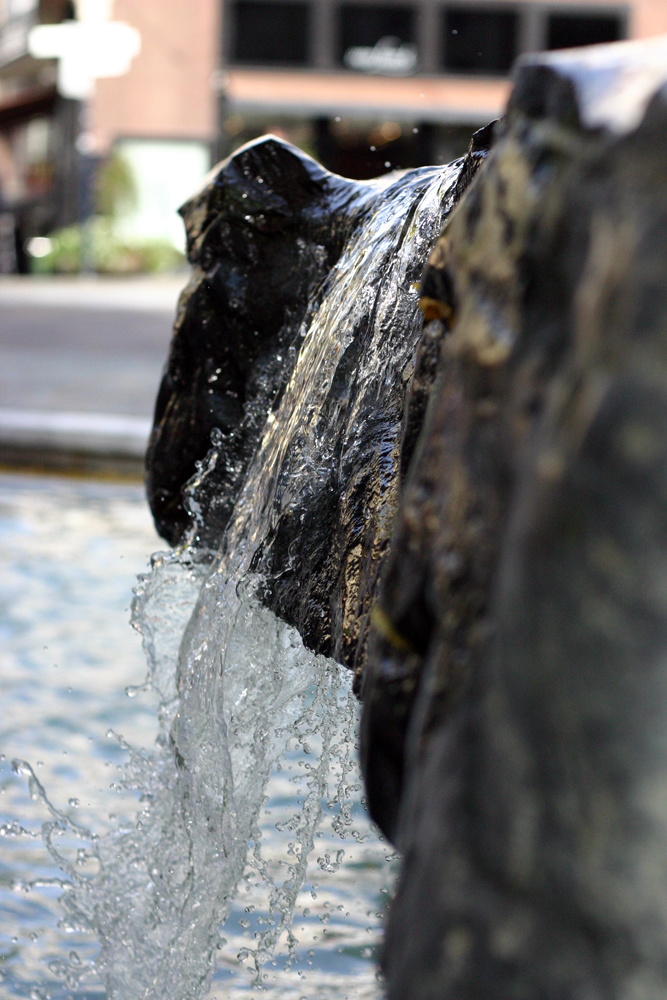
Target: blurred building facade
point(365, 85)
point(158, 122)
point(435, 69)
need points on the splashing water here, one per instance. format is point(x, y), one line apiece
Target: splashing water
point(248, 716)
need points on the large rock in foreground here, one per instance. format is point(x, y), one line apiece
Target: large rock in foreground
point(524, 607)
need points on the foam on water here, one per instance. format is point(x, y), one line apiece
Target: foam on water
point(255, 758)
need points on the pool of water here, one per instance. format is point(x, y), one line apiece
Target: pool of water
point(70, 551)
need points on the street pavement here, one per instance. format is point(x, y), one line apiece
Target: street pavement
point(80, 363)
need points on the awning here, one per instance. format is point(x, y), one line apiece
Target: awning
point(444, 99)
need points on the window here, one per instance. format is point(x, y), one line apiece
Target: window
point(480, 40)
point(567, 31)
point(270, 33)
point(365, 26)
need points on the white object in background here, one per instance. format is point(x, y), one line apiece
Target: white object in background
point(88, 49)
point(388, 57)
point(166, 173)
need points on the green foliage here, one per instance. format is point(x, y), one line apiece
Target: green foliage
point(115, 188)
point(106, 252)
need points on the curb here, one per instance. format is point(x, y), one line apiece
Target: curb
point(75, 442)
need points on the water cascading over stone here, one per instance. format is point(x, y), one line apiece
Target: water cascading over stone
point(470, 514)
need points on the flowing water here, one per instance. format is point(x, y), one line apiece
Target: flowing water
point(68, 552)
point(243, 858)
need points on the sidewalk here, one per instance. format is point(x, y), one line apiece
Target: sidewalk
point(80, 364)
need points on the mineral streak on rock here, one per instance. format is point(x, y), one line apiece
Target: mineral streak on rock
point(522, 625)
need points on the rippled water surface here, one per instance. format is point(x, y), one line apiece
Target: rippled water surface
point(69, 555)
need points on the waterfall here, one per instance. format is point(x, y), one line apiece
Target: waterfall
point(242, 701)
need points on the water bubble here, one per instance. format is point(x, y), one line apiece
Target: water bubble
point(73, 802)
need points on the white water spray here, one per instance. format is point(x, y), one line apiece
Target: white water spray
point(242, 702)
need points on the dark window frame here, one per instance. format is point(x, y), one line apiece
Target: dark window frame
point(480, 7)
point(230, 36)
point(620, 13)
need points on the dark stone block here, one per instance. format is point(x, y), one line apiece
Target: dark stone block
point(262, 235)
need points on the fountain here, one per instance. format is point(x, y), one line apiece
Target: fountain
point(461, 519)
point(302, 284)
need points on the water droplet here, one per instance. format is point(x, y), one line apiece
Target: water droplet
point(74, 803)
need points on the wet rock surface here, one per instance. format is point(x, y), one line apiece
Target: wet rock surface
point(262, 234)
point(265, 237)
